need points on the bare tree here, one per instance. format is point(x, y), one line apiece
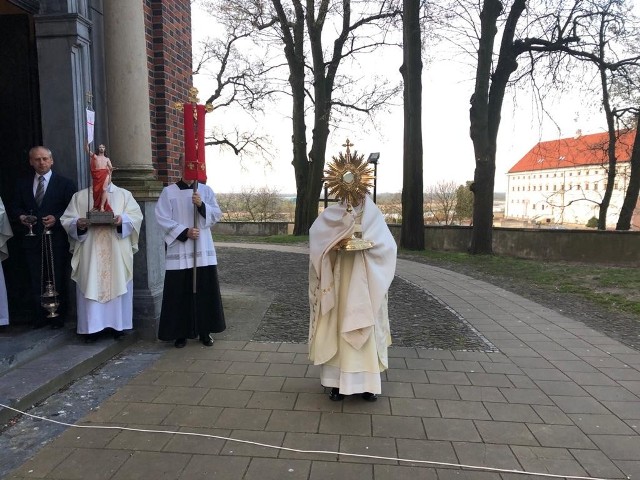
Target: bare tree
point(440, 202)
point(239, 81)
point(253, 204)
point(298, 28)
point(542, 33)
point(608, 39)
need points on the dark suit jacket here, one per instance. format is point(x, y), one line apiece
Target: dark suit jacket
point(55, 201)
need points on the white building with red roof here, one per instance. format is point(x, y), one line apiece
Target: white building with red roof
point(562, 182)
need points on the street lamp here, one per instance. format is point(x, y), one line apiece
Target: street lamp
point(373, 158)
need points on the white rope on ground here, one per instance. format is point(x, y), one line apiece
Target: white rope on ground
point(325, 452)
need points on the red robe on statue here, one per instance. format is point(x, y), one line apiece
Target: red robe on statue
point(101, 179)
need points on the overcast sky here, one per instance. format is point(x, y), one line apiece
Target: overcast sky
point(448, 150)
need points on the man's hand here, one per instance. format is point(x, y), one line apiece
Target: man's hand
point(117, 220)
point(193, 233)
point(83, 223)
point(49, 221)
point(197, 201)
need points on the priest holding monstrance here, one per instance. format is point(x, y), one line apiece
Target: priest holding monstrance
point(186, 211)
point(352, 265)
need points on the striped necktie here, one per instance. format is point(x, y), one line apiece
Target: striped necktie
point(40, 190)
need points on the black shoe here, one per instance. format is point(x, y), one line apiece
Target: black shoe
point(335, 395)
point(180, 343)
point(118, 334)
point(369, 397)
point(207, 341)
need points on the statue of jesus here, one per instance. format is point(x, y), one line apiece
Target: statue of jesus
point(101, 169)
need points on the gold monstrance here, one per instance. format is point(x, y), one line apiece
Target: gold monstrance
point(348, 177)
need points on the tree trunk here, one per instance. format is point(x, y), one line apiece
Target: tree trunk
point(412, 231)
point(611, 152)
point(633, 189)
point(481, 135)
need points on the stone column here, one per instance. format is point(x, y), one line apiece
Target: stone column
point(127, 80)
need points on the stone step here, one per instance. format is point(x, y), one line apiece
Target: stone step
point(58, 363)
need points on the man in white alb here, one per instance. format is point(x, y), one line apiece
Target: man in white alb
point(5, 234)
point(102, 263)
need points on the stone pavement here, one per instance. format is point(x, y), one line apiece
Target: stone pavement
point(549, 396)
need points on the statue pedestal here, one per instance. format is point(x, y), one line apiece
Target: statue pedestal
point(100, 218)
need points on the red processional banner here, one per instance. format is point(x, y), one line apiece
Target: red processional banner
point(195, 167)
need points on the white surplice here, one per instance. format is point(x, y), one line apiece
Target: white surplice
point(102, 262)
point(174, 212)
point(349, 323)
point(5, 235)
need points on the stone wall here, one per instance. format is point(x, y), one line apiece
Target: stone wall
point(255, 229)
point(589, 246)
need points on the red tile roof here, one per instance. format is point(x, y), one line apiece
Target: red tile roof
point(575, 151)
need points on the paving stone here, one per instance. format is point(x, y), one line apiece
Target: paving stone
point(482, 454)
point(457, 474)
point(242, 418)
point(317, 402)
point(178, 379)
point(545, 374)
point(84, 438)
point(507, 433)
point(618, 447)
point(552, 415)
point(398, 389)
point(596, 464)
point(203, 443)
point(374, 446)
point(192, 416)
point(181, 395)
point(448, 378)
point(489, 379)
point(143, 413)
point(277, 469)
point(137, 393)
point(253, 444)
point(512, 413)
point(247, 368)
point(561, 388)
point(355, 404)
point(207, 467)
point(226, 398)
point(434, 354)
point(451, 429)
point(413, 376)
point(266, 347)
point(40, 466)
point(608, 393)
point(276, 357)
point(425, 451)
point(345, 424)
point(463, 409)
point(240, 356)
point(397, 427)
point(414, 407)
point(564, 436)
point(140, 441)
point(311, 442)
point(521, 381)
point(272, 400)
point(505, 368)
point(480, 394)
point(220, 380)
point(421, 364)
point(630, 468)
point(286, 370)
point(462, 365)
point(302, 385)
point(91, 464)
point(619, 374)
point(590, 378)
point(339, 471)
point(579, 405)
point(526, 396)
point(601, 424)
point(285, 421)
point(262, 384)
point(555, 461)
point(445, 392)
point(391, 472)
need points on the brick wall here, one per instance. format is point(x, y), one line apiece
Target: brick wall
point(168, 33)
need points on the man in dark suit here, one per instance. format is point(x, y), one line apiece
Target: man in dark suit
point(44, 195)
